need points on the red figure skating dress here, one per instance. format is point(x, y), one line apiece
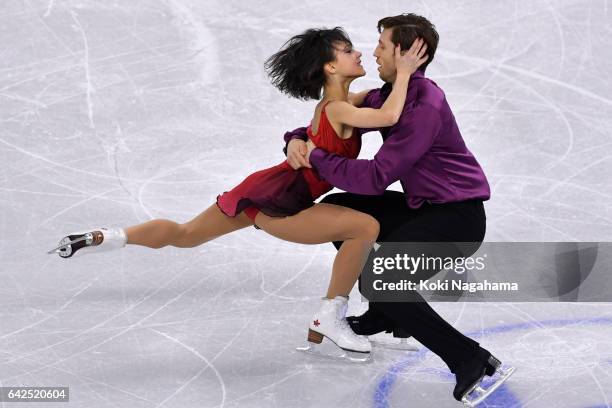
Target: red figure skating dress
point(281, 191)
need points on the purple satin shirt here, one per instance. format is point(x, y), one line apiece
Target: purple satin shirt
point(424, 150)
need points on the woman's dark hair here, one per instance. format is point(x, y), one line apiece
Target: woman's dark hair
point(406, 28)
point(297, 69)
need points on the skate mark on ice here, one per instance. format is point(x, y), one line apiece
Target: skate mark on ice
point(554, 324)
point(503, 395)
point(53, 315)
point(49, 7)
point(123, 330)
point(201, 357)
point(264, 388)
point(89, 88)
point(535, 76)
point(289, 281)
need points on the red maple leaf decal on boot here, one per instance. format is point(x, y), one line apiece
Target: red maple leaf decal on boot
point(316, 323)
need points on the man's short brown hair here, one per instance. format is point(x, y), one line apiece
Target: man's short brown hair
point(406, 28)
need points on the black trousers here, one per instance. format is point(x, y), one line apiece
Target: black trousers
point(463, 221)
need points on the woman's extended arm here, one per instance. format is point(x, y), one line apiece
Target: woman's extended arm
point(391, 110)
point(356, 99)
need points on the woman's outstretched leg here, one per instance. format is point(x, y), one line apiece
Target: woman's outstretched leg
point(208, 225)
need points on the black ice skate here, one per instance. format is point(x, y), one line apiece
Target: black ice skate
point(372, 322)
point(470, 375)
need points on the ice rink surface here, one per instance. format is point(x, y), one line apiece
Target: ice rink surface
point(116, 112)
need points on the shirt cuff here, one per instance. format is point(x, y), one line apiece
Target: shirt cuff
point(316, 156)
point(297, 136)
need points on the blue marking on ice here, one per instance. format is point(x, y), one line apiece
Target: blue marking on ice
point(503, 396)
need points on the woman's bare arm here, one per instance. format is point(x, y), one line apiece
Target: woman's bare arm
point(356, 99)
point(389, 113)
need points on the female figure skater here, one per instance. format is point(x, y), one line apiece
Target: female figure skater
point(279, 200)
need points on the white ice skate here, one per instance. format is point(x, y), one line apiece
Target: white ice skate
point(330, 322)
point(92, 241)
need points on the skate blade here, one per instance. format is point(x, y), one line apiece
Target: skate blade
point(59, 248)
point(403, 345)
point(483, 394)
point(343, 355)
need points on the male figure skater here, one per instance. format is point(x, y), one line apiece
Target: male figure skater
point(444, 189)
